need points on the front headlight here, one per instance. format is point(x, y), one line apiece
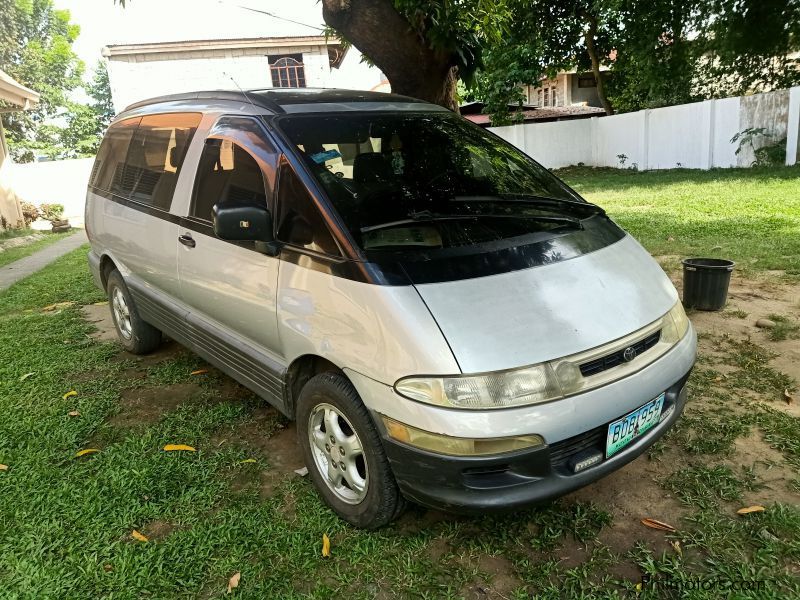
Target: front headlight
point(676, 323)
point(547, 381)
point(502, 389)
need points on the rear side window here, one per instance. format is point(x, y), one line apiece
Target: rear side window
point(111, 157)
point(154, 159)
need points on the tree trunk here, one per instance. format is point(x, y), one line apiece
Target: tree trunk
point(591, 50)
point(404, 56)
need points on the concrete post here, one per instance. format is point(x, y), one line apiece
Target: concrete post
point(706, 134)
point(793, 127)
point(595, 141)
point(644, 140)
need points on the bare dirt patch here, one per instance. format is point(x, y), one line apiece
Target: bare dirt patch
point(146, 405)
point(99, 315)
point(266, 435)
point(768, 466)
point(500, 582)
point(158, 529)
point(757, 298)
point(630, 495)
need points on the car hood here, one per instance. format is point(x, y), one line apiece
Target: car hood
point(542, 313)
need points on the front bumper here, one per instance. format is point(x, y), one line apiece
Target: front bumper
point(480, 484)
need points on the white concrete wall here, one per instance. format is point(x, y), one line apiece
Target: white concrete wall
point(694, 136)
point(57, 182)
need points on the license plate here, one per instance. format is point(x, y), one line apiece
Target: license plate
point(628, 428)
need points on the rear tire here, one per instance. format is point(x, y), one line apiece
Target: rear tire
point(135, 335)
point(335, 428)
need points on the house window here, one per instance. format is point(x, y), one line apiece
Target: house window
point(539, 98)
point(287, 71)
point(586, 81)
point(546, 97)
point(553, 96)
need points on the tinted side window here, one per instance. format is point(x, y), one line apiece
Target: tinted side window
point(111, 156)
point(299, 221)
point(154, 158)
point(226, 173)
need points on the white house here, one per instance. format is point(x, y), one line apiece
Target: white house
point(223, 46)
point(13, 97)
point(569, 88)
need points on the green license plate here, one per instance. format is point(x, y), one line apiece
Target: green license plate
point(632, 425)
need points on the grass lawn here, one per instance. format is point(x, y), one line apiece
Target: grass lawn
point(235, 505)
point(751, 216)
point(11, 254)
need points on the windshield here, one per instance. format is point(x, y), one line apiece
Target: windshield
point(429, 180)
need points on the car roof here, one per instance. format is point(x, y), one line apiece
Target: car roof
point(294, 100)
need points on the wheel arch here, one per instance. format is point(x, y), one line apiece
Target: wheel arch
point(107, 265)
point(300, 371)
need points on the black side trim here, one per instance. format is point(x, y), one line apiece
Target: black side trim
point(253, 368)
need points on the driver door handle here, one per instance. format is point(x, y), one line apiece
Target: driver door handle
point(187, 240)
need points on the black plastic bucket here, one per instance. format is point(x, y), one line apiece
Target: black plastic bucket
point(705, 282)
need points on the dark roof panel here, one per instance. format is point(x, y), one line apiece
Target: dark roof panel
point(276, 99)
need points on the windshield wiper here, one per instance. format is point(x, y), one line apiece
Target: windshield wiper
point(428, 216)
point(532, 200)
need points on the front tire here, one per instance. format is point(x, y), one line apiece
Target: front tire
point(344, 454)
point(135, 335)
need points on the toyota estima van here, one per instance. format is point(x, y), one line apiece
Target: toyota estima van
point(446, 321)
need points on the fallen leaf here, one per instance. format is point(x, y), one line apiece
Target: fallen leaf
point(24, 377)
point(676, 545)
point(108, 568)
point(221, 442)
point(653, 524)
point(56, 305)
point(750, 509)
point(326, 545)
point(302, 472)
point(787, 397)
point(3, 467)
point(74, 413)
point(139, 536)
point(199, 372)
point(179, 447)
point(233, 582)
point(69, 394)
point(86, 451)
point(247, 460)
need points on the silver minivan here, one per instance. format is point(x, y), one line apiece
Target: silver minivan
point(447, 322)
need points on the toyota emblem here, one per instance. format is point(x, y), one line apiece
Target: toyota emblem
point(629, 353)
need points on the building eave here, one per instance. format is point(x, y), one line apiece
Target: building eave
point(16, 94)
point(119, 50)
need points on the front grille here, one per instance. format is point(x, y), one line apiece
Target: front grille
point(609, 361)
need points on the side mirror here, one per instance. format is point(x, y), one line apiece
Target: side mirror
point(239, 222)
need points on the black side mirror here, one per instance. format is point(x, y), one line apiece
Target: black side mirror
point(240, 222)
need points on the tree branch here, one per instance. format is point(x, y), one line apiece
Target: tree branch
point(388, 39)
